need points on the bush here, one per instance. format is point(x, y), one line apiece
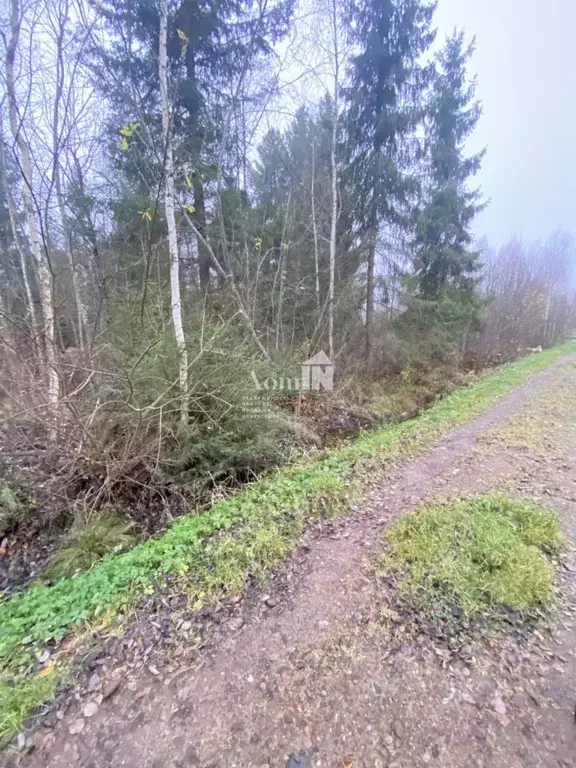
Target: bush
point(11, 511)
point(137, 439)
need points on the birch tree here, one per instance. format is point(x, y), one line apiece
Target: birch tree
point(20, 247)
point(38, 248)
point(329, 53)
point(169, 196)
point(336, 53)
point(63, 105)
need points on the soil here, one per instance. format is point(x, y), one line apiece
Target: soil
point(309, 674)
point(30, 468)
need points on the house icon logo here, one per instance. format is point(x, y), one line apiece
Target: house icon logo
point(318, 373)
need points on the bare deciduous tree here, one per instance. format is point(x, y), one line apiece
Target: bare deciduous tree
point(175, 298)
point(39, 250)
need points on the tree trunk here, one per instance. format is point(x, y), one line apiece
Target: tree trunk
point(98, 266)
point(30, 308)
point(80, 308)
point(45, 283)
point(175, 302)
point(56, 152)
point(334, 174)
point(315, 232)
point(200, 217)
point(369, 328)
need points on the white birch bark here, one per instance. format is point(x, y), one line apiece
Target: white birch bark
point(56, 174)
point(31, 310)
point(334, 175)
point(175, 301)
point(45, 283)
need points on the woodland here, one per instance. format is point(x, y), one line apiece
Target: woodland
point(195, 194)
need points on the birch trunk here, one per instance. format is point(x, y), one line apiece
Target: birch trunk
point(56, 153)
point(315, 232)
point(30, 308)
point(175, 301)
point(334, 174)
point(45, 283)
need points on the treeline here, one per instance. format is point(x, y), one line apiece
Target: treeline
point(170, 220)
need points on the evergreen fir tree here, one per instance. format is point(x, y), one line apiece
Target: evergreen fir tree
point(443, 239)
point(386, 83)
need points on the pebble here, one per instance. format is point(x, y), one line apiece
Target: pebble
point(468, 698)
point(111, 687)
point(90, 709)
point(50, 719)
point(498, 705)
point(76, 726)
point(236, 624)
point(298, 760)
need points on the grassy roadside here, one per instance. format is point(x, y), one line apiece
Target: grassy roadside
point(269, 518)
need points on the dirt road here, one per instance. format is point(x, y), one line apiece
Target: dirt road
point(308, 675)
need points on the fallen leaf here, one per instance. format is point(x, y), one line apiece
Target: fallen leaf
point(47, 671)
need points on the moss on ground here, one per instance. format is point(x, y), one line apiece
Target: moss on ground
point(256, 529)
point(478, 555)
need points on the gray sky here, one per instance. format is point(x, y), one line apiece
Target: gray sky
point(525, 61)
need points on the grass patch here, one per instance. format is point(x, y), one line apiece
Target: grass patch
point(89, 540)
point(267, 520)
point(480, 555)
point(19, 698)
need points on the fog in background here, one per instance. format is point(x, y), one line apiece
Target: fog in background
point(526, 69)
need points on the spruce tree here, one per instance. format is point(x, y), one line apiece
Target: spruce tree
point(443, 238)
point(384, 97)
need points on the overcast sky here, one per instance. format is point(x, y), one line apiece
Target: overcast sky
point(525, 61)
